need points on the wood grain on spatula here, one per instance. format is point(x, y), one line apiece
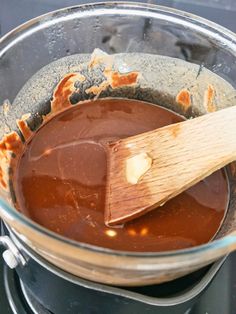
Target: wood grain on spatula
point(166, 162)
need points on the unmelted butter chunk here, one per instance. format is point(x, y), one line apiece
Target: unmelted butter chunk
point(137, 166)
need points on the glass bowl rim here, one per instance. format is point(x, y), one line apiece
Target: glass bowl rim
point(224, 34)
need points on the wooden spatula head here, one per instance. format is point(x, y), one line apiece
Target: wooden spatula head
point(146, 170)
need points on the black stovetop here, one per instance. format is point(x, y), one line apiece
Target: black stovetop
point(220, 296)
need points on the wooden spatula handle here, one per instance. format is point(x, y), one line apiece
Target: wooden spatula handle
point(182, 154)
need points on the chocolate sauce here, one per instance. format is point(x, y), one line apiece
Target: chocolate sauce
point(60, 181)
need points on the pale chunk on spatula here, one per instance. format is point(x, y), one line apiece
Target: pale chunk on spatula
point(146, 170)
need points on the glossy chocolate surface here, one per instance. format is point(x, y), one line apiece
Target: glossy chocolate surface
point(60, 181)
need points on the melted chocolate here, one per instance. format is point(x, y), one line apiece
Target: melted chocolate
point(60, 181)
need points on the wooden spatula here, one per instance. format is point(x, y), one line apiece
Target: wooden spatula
point(146, 170)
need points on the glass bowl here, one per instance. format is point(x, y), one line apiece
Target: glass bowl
point(129, 30)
